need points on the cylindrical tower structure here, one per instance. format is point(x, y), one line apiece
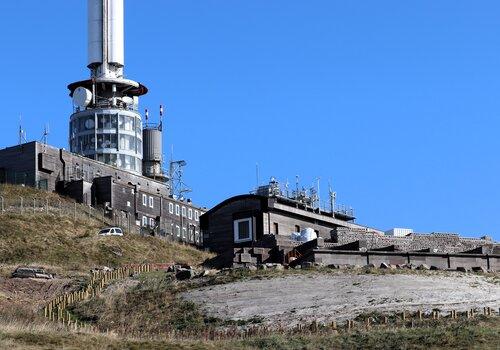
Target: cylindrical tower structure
point(106, 125)
point(153, 155)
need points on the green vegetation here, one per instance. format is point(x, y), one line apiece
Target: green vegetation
point(145, 311)
point(478, 334)
point(60, 241)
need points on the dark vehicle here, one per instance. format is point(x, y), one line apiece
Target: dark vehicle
point(31, 272)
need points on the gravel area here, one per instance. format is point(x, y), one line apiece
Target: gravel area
point(300, 298)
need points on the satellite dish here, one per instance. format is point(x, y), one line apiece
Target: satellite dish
point(128, 100)
point(82, 97)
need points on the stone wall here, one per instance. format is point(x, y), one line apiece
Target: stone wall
point(439, 261)
point(436, 242)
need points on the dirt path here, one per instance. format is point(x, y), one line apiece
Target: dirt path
point(324, 297)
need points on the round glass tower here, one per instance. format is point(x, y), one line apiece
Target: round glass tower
point(105, 124)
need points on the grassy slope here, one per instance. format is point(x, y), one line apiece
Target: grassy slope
point(477, 334)
point(49, 239)
point(147, 307)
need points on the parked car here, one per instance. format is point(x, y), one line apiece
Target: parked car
point(31, 272)
point(111, 231)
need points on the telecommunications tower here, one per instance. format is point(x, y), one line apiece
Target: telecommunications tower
point(106, 124)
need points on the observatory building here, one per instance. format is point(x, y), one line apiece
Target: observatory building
point(115, 161)
point(106, 124)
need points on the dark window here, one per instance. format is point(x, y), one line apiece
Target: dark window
point(244, 230)
point(276, 228)
point(297, 228)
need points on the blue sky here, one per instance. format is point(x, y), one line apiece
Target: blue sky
point(395, 102)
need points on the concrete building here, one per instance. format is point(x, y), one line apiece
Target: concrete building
point(259, 228)
point(135, 202)
point(248, 220)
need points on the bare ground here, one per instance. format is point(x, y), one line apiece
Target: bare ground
point(301, 298)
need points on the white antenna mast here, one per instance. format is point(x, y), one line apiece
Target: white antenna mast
point(319, 197)
point(333, 197)
point(22, 133)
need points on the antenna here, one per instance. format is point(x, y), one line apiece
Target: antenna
point(160, 127)
point(297, 187)
point(257, 174)
point(22, 133)
point(46, 132)
point(319, 196)
point(333, 197)
point(146, 115)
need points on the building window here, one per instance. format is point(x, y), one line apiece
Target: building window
point(177, 210)
point(196, 215)
point(171, 208)
point(276, 229)
point(243, 230)
point(190, 214)
point(152, 223)
point(183, 211)
point(297, 228)
point(151, 202)
point(144, 200)
point(177, 231)
point(128, 204)
point(184, 231)
point(144, 221)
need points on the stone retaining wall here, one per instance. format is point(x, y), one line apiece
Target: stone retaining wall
point(436, 242)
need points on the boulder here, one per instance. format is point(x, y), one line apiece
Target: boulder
point(385, 266)
point(211, 272)
point(461, 269)
point(479, 269)
point(369, 266)
point(185, 274)
point(251, 268)
point(307, 265)
point(279, 267)
point(410, 266)
point(423, 267)
point(434, 268)
point(262, 267)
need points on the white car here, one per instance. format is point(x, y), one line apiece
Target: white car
point(111, 231)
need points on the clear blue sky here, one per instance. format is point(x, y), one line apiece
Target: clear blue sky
point(396, 101)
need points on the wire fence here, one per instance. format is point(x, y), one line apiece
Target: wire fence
point(46, 205)
point(166, 229)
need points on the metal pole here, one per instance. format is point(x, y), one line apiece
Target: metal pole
point(21, 204)
point(34, 205)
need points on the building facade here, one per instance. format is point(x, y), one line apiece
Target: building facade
point(137, 203)
point(244, 220)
